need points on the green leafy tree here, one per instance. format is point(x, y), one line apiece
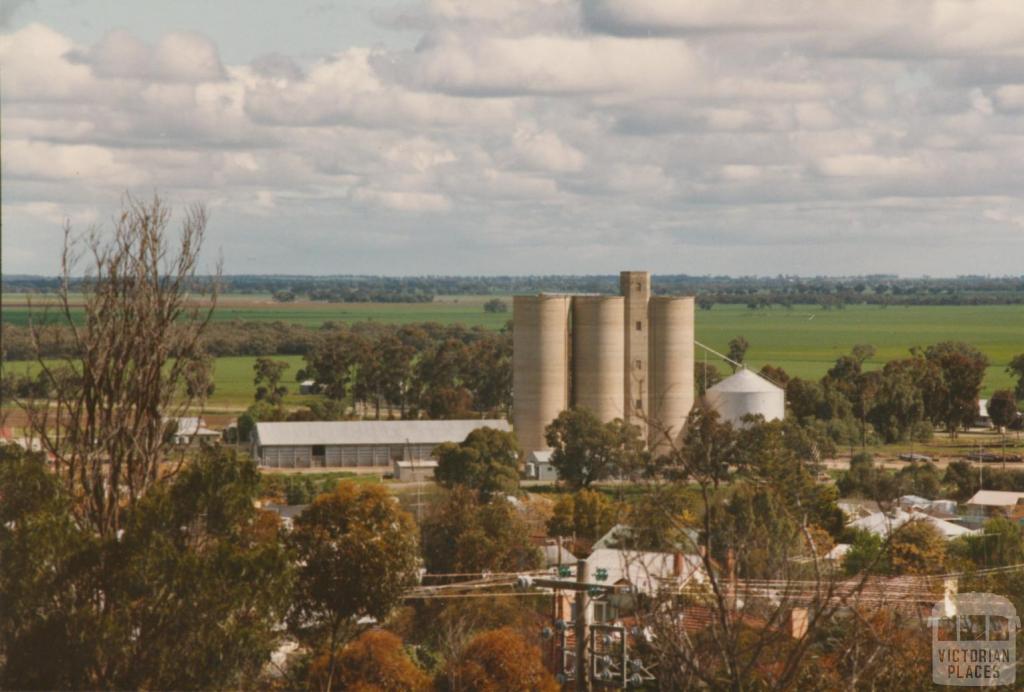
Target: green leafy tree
point(737, 351)
point(1002, 408)
point(961, 369)
point(587, 514)
point(461, 534)
point(357, 553)
point(866, 554)
point(775, 374)
point(197, 574)
point(487, 461)
point(898, 401)
point(495, 305)
point(1016, 368)
point(1001, 543)
point(921, 479)
point(585, 450)
point(268, 380)
point(917, 547)
point(805, 398)
point(709, 445)
point(333, 362)
point(705, 376)
point(961, 480)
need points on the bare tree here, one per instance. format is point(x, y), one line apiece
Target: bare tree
point(767, 591)
point(137, 358)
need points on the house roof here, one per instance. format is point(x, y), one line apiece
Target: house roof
point(371, 432)
point(745, 381)
point(645, 571)
point(541, 456)
point(553, 555)
point(996, 498)
point(882, 524)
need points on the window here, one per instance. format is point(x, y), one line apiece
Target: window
point(639, 325)
point(639, 286)
point(638, 364)
point(319, 451)
point(639, 404)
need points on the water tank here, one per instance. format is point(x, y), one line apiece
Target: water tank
point(671, 369)
point(746, 393)
point(540, 365)
point(598, 354)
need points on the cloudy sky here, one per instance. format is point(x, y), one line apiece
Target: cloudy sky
point(534, 136)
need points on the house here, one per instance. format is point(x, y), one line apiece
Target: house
point(944, 509)
point(287, 513)
point(994, 503)
point(189, 429)
point(539, 467)
point(883, 523)
point(357, 444)
point(636, 574)
point(308, 387)
point(415, 470)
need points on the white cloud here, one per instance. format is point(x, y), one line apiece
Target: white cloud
point(178, 57)
point(548, 135)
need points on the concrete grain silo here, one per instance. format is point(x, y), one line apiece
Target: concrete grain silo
point(540, 365)
point(598, 355)
point(746, 393)
point(671, 368)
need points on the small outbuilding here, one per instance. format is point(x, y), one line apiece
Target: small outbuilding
point(415, 470)
point(539, 466)
point(746, 393)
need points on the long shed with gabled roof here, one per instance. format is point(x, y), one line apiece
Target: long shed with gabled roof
point(358, 444)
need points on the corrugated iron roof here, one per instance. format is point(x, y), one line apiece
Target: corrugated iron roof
point(371, 432)
point(996, 498)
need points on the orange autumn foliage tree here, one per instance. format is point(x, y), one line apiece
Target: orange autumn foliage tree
point(501, 660)
point(375, 661)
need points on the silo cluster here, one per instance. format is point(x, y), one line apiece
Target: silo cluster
point(628, 356)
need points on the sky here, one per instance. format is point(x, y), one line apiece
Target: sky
point(740, 137)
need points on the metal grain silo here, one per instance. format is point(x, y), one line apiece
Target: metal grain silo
point(671, 368)
point(540, 365)
point(746, 393)
point(598, 352)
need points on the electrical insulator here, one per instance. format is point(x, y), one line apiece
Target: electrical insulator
point(523, 583)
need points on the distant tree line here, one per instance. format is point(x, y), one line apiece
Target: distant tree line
point(755, 292)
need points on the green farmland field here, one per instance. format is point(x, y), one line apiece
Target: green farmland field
point(466, 310)
point(804, 340)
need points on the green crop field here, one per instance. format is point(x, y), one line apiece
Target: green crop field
point(466, 310)
point(804, 340)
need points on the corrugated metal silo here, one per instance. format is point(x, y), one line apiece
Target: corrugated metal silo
point(598, 354)
point(671, 368)
point(540, 365)
point(746, 393)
